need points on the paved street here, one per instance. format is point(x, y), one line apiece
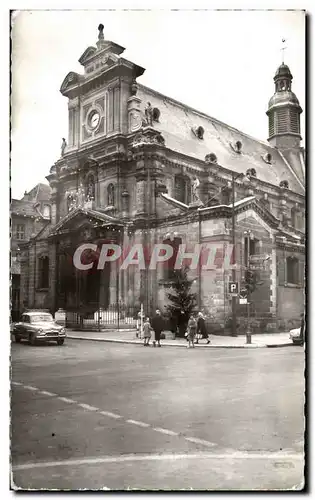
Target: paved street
point(100, 415)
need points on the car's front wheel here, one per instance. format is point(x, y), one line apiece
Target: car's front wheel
point(60, 341)
point(17, 339)
point(298, 342)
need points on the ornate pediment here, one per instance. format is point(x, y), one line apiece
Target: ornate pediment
point(71, 79)
point(87, 54)
point(82, 217)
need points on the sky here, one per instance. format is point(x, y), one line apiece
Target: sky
point(219, 62)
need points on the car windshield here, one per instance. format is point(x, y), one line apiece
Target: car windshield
point(41, 317)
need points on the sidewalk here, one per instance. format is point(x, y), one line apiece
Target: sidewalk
point(217, 341)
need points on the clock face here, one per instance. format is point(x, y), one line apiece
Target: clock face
point(94, 119)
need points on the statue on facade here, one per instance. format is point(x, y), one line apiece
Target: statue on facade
point(71, 200)
point(195, 185)
point(63, 146)
point(111, 195)
point(149, 114)
point(90, 192)
point(80, 196)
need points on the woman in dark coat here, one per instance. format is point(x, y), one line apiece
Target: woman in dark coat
point(202, 329)
point(157, 324)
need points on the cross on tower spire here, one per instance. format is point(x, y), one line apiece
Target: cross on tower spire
point(283, 48)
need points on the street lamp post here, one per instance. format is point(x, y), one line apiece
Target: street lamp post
point(234, 334)
point(246, 180)
point(248, 236)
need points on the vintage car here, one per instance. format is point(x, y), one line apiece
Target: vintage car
point(38, 326)
point(297, 335)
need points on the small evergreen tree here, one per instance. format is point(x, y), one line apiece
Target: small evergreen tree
point(181, 297)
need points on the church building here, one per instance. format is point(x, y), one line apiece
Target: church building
point(139, 167)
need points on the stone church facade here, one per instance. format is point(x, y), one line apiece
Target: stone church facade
point(141, 168)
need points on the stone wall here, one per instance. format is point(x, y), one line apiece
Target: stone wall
point(291, 303)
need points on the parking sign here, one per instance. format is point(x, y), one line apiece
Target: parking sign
point(233, 287)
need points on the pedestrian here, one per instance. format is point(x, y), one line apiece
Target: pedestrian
point(201, 328)
point(182, 323)
point(147, 328)
point(139, 326)
point(191, 331)
point(157, 324)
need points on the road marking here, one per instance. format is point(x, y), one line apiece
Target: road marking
point(16, 383)
point(110, 414)
point(136, 422)
point(199, 441)
point(66, 400)
point(46, 393)
point(160, 457)
point(88, 407)
point(165, 431)
point(30, 387)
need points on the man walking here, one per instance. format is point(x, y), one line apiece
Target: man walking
point(157, 324)
point(202, 329)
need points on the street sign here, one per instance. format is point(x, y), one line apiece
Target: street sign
point(259, 258)
point(243, 301)
point(257, 267)
point(233, 287)
point(243, 293)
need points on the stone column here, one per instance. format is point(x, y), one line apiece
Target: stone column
point(116, 91)
point(125, 203)
point(141, 189)
point(110, 110)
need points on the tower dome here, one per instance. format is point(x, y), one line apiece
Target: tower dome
point(283, 70)
point(284, 111)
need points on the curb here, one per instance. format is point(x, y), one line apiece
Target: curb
point(280, 345)
point(135, 342)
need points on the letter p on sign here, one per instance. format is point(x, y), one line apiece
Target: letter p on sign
point(233, 287)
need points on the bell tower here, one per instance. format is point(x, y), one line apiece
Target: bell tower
point(284, 112)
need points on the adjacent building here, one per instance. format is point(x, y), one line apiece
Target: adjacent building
point(139, 167)
point(29, 216)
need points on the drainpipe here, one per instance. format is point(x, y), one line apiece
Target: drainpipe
point(200, 263)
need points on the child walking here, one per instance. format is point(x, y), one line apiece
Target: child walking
point(192, 330)
point(147, 328)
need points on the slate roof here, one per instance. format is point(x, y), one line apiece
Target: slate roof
point(176, 121)
point(23, 208)
point(41, 192)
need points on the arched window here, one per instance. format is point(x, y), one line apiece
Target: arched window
point(284, 184)
point(111, 195)
point(43, 272)
point(225, 195)
point(292, 270)
point(169, 265)
point(90, 188)
point(156, 114)
point(182, 189)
